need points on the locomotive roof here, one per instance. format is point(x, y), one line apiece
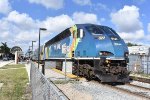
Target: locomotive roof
point(65, 34)
point(59, 37)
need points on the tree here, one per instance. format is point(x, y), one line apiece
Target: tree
point(131, 44)
point(4, 48)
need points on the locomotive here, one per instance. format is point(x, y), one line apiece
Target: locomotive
point(94, 50)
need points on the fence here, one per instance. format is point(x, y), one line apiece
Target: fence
point(42, 89)
point(139, 63)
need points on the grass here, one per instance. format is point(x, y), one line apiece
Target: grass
point(15, 81)
point(13, 66)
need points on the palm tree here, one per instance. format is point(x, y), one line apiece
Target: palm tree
point(4, 48)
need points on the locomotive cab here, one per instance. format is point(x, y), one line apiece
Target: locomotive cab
point(113, 54)
point(106, 49)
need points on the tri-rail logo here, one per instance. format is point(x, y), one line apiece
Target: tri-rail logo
point(101, 37)
point(117, 44)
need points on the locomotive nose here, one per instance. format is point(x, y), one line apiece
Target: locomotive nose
point(109, 47)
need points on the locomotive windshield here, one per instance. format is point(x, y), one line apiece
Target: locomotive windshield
point(94, 30)
point(111, 33)
point(108, 30)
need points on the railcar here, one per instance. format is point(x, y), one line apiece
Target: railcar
point(94, 50)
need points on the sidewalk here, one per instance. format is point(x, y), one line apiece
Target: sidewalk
point(3, 63)
point(53, 75)
point(49, 73)
point(28, 66)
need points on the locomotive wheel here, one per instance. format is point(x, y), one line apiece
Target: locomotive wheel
point(87, 71)
point(75, 69)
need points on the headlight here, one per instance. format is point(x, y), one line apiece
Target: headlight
point(105, 53)
point(100, 53)
point(126, 54)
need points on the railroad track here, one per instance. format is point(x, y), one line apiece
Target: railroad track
point(140, 79)
point(143, 95)
point(139, 91)
point(140, 87)
point(142, 92)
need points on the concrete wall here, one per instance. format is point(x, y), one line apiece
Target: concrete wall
point(50, 64)
point(68, 67)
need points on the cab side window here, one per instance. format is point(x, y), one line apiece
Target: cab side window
point(80, 33)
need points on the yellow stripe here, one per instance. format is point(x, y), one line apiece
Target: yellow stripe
point(68, 75)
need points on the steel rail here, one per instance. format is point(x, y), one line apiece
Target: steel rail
point(137, 86)
point(137, 94)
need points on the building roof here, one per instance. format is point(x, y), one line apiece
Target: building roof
point(141, 50)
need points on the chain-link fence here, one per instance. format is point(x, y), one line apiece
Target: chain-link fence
point(139, 63)
point(42, 89)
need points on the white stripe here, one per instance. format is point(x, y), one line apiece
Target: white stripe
point(115, 58)
point(77, 58)
point(90, 58)
point(86, 58)
point(59, 58)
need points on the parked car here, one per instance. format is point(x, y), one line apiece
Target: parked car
point(5, 59)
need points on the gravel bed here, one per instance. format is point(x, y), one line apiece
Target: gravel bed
point(133, 89)
point(84, 90)
point(140, 84)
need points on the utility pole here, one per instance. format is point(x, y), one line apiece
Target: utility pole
point(44, 29)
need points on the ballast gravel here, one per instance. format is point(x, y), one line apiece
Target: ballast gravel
point(140, 84)
point(84, 90)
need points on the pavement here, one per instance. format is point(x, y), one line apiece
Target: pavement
point(3, 63)
point(1, 84)
point(52, 74)
point(28, 66)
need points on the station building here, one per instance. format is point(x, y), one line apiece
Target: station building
point(139, 59)
point(139, 50)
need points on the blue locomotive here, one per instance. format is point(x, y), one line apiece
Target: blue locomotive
point(94, 50)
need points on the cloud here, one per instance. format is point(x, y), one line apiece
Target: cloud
point(20, 29)
point(58, 23)
point(82, 17)
point(5, 7)
point(82, 2)
point(127, 19)
point(23, 20)
point(4, 35)
point(27, 36)
point(138, 35)
point(101, 6)
point(53, 4)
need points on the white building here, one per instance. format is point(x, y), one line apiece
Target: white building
point(141, 50)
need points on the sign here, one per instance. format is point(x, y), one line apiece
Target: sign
point(65, 49)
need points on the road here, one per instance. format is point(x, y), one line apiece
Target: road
point(3, 63)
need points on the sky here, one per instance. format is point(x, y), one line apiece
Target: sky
point(20, 20)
